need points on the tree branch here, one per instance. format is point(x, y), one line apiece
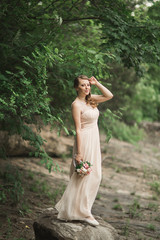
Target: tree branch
point(65, 21)
point(80, 19)
point(102, 19)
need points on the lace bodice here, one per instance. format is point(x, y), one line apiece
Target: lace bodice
point(89, 115)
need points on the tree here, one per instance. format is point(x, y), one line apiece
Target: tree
point(44, 44)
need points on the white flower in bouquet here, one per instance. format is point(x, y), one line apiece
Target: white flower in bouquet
point(83, 168)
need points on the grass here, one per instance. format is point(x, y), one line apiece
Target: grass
point(12, 186)
point(64, 156)
point(145, 171)
point(30, 175)
point(155, 197)
point(98, 197)
point(151, 227)
point(34, 187)
point(157, 218)
point(118, 207)
point(134, 209)
point(125, 230)
point(57, 193)
point(9, 230)
point(103, 185)
point(12, 189)
point(18, 192)
point(155, 186)
point(43, 189)
point(153, 206)
point(2, 196)
point(155, 149)
point(115, 200)
point(117, 169)
point(24, 209)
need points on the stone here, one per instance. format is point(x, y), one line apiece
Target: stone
point(150, 126)
point(54, 145)
point(48, 227)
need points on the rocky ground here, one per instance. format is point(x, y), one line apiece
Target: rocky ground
point(128, 197)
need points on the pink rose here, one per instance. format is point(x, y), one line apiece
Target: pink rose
point(86, 165)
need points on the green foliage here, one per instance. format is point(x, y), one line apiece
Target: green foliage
point(123, 83)
point(145, 101)
point(113, 126)
point(44, 45)
point(127, 133)
point(12, 188)
point(29, 101)
point(108, 118)
point(131, 38)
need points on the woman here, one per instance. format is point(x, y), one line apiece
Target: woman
point(78, 198)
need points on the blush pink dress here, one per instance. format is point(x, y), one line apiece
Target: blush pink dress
point(78, 198)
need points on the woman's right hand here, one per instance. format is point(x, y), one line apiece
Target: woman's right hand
point(78, 158)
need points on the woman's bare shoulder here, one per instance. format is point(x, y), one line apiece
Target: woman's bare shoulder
point(75, 103)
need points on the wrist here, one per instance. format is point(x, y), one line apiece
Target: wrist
point(97, 84)
point(79, 154)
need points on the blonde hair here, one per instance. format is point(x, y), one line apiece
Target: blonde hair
point(88, 98)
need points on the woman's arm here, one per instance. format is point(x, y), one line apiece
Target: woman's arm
point(76, 114)
point(106, 94)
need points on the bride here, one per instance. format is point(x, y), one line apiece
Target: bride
point(78, 198)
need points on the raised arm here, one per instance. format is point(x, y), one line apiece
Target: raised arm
point(106, 94)
point(76, 114)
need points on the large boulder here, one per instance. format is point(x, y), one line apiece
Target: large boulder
point(48, 227)
point(54, 145)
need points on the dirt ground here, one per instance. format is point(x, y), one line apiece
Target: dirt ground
point(128, 197)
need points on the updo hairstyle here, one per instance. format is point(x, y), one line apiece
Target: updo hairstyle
point(88, 98)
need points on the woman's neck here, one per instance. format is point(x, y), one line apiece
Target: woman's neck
point(81, 98)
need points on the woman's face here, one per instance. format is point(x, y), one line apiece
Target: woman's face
point(83, 87)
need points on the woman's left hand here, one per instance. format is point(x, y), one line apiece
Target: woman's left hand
point(93, 80)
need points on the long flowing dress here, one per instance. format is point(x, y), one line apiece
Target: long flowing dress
point(80, 193)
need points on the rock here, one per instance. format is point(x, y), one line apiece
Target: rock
point(48, 227)
point(150, 126)
point(14, 145)
point(55, 146)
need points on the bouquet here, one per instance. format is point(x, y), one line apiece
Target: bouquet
point(83, 168)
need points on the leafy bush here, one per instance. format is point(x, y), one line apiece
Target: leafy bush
point(43, 45)
point(127, 133)
point(145, 102)
point(111, 123)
